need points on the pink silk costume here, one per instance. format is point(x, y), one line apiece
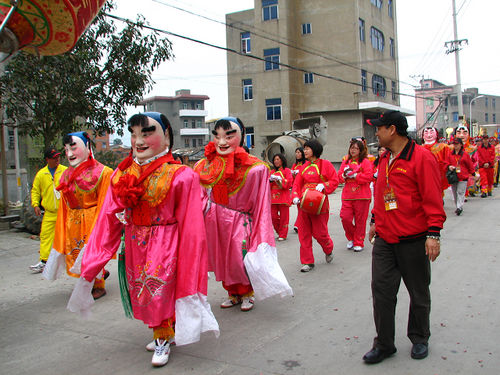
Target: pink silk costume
point(165, 250)
point(246, 215)
point(81, 202)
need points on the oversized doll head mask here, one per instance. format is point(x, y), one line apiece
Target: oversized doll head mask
point(77, 147)
point(228, 135)
point(430, 135)
point(463, 133)
point(151, 135)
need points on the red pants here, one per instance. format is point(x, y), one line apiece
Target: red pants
point(313, 226)
point(238, 289)
point(486, 175)
point(280, 215)
point(356, 210)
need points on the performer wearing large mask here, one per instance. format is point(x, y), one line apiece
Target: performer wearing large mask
point(164, 274)
point(83, 186)
point(440, 151)
point(470, 148)
point(242, 251)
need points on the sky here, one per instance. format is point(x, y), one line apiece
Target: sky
point(423, 27)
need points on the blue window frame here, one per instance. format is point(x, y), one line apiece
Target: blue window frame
point(393, 90)
point(364, 82)
point(378, 85)
point(269, 10)
point(390, 9)
point(455, 116)
point(308, 78)
point(272, 57)
point(377, 38)
point(362, 29)
point(247, 89)
point(245, 43)
point(273, 109)
point(306, 28)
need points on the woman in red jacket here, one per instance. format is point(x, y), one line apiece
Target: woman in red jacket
point(281, 181)
point(300, 160)
point(320, 175)
point(357, 173)
point(461, 162)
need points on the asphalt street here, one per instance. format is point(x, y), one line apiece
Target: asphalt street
point(324, 329)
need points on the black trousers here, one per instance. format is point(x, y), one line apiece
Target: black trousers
point(390, 263)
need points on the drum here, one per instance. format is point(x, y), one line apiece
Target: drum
point(312, 201)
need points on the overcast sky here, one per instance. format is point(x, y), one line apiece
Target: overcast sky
point(423, 27)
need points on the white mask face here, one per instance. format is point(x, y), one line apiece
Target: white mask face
point(430, 135)
point(226, 141)
point(149, 141)
point(76, 152)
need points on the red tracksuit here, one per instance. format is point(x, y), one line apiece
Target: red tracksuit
point(414, 176)
point(312, 174)
point(486, 155)
point(356, 198)
point(280, 201)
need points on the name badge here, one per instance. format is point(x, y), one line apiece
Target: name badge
point(390, 200)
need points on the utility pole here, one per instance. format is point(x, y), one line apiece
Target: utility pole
point(455, 46)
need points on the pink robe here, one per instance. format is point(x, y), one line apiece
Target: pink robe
point(166, 261)
point(247, 216)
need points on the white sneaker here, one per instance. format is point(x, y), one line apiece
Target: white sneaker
point(306, 268)
point(162, 352)
point(350, 245)
point(357, 248)
point(329, 257)
point(281, 239)
point(38, 268)
point(247, 303)
point(152, 345)
point(230, 302)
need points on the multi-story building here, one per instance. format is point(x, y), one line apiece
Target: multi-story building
point(336, 60)
point(436, 105)
point(186, 113)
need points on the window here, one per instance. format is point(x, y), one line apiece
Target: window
point(273, 109)
point(390, 9)
point(392, 48)
point(377, 39)
point(186, 123)
point(186, 142)
point(245, 43)
point(184, 105)
point(493, 102)
point(486, 117)
point(429, 102)
point(486, 101)
point(364, 82)
point(306, 28)
point(250, 137)
point(272, 57)
point(378, 85)
point(194, 142)
point(198, 123)
point(361, 24)
point(494, 118)
point(377, 3)
point(247, 89)
point(308, 78)
point(199, 105)
point(193, 124)
point(394, 89)
point(104, 144)
point(200, 142)
point(455, 116)
point(269, 10)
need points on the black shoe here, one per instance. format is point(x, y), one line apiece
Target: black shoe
point(471, 194)
point(489, 193)
point(459, 211)
point(419, 351)
point(106, 274)
point(377, 355)
point(484, 195)
point(296, 229)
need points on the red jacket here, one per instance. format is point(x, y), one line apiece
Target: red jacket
point(486, 155)
point(414, 176)
point(463, 160)
point(280, 190)
point(358, 187)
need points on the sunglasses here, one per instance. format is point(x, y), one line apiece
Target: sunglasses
point(354, 139)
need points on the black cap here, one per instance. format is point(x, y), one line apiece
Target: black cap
point(486, 136)
point(457, 141)
point(395, 118)
point(51, 153)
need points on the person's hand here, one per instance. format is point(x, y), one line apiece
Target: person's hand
point(296, 200)
point(320, 187)
point(295, 171)
point(371, 233)
point(272, 178)
point(278, 178)
point(451, 167)
point(486, 165)
point(38, 211)
point(432, 248)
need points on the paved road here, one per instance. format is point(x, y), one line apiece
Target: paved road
point(324, 329)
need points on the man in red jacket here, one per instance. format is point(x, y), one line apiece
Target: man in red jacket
point(486, 159)
point(407, 218)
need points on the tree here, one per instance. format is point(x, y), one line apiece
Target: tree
point(117, 142)
point(88, 87)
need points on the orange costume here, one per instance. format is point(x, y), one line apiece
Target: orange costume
point(441, 152)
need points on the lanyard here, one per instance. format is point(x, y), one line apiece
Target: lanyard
point(388, 170)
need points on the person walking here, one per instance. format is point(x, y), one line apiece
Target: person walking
point(357, 173)
point(459, 161)
point(281, 181)
point(44, 195)
point(486, 161)
point(300, 160)
point(316, 175)
point(408, 216)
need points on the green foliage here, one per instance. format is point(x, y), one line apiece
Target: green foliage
point(108, 158)
point(109, 69)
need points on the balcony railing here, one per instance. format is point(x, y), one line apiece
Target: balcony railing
point(193, 113)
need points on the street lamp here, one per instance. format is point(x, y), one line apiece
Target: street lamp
point(470, 112)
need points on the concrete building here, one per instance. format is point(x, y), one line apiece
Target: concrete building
point(186, 113)
point(340, 65)
point(436, 105)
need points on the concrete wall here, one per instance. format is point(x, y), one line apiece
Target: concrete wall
point(12, 185)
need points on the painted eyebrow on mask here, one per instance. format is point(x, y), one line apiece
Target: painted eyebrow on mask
point(231, 131)
point(151, 128)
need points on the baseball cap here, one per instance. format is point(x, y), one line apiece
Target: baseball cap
point(395, 118)
point(51, 153)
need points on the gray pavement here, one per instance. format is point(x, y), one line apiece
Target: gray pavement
point(324, 329)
